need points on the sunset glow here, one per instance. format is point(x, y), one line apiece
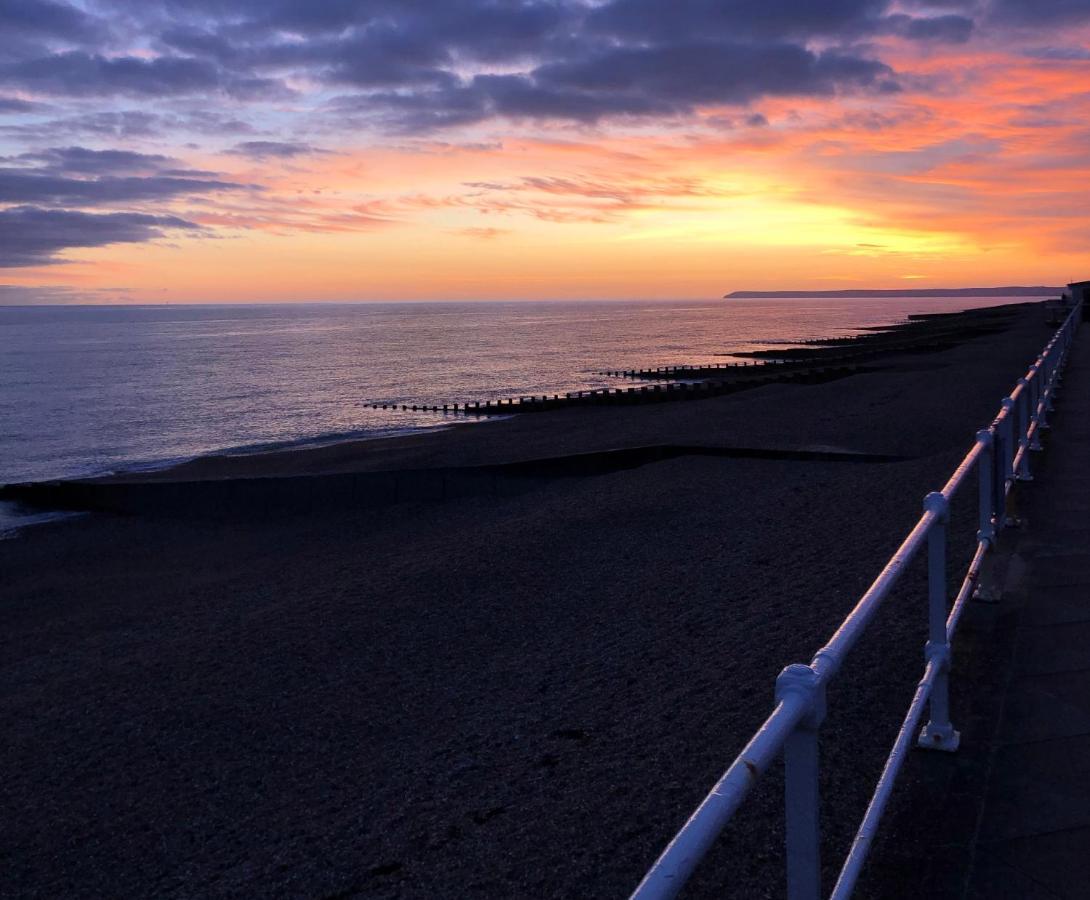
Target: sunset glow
point(947, 145)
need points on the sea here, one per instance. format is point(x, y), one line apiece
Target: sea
point(87, 390)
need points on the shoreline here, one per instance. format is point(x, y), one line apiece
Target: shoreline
point(333, 454)
point(427, 424)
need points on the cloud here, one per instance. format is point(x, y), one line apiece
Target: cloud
point(585, 197)
point(627, 59)
point(420, 65)
point(41, 185)
point(30, 186)
point(632, 83)
point(950, 29)
point(1059, 54)
point(77, 73)
point(968, 150)
point(11, 105)
point(655, 21)
point(79, 176)
point(681, 75)
point(483, 234)
point(281, 149)
point(1040, 13)
point(58, 294)
point(31, 236)
point(86, 161)
point(917, 101)
point(119, 125)
point(46, 19)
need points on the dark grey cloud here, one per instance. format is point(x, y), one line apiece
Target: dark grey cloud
point(79, 176)
point(1060, 54)
point(127, 125)
point(948, 29)
point(29, 186)
point(654, 20)
point(388, 57)
point(31, 236)
point(47, 19)
point(77, 73)
point(85, 161)
point(479, 57)
point(280, 149)
point(118, 125)
point(416, 65)
point(1040, 13)
point(680, 75)
point(631, 82)
point(200, 42)
point(15, 105)
point(482, 28)
point(966, 6)
point(486, 96)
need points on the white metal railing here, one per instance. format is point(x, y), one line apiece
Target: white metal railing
point(1001, 454)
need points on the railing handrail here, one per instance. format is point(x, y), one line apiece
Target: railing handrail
point(793, 725)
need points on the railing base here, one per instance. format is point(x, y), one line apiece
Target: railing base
point(945, 738)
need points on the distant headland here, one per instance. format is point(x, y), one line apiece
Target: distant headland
point(1037, 291)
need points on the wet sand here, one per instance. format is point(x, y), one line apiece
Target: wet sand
point(505, 693)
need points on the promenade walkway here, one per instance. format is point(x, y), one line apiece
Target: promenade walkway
point(1032, 837)
point(1008, 815)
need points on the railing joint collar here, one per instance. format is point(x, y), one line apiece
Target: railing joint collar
point(938, 652)
point(936, 502)
point(802, 681)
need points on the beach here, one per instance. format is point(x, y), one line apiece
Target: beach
point(245, 675)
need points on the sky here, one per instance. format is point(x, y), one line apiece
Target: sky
point(158, 151)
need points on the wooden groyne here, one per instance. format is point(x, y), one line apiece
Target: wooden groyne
point(658, 393)
point(670, 372)
point(804, 362)
point(922, 334)
point(791, 358)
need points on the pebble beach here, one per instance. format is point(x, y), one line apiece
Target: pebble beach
point(515, 689)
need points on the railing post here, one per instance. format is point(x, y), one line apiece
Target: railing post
point(801, 797)
point(1008, 438)
point(1048, 366)
point(1053, 375)
point(1023, 473)
point(986, 519)
point(1035, 414)
point(938, 733)
point(990, 512)
point(1002, 461)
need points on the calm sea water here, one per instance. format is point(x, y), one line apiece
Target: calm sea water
point(95, 389)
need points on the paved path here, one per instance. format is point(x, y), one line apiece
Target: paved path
point(1008, 815)
point(1033, 832)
